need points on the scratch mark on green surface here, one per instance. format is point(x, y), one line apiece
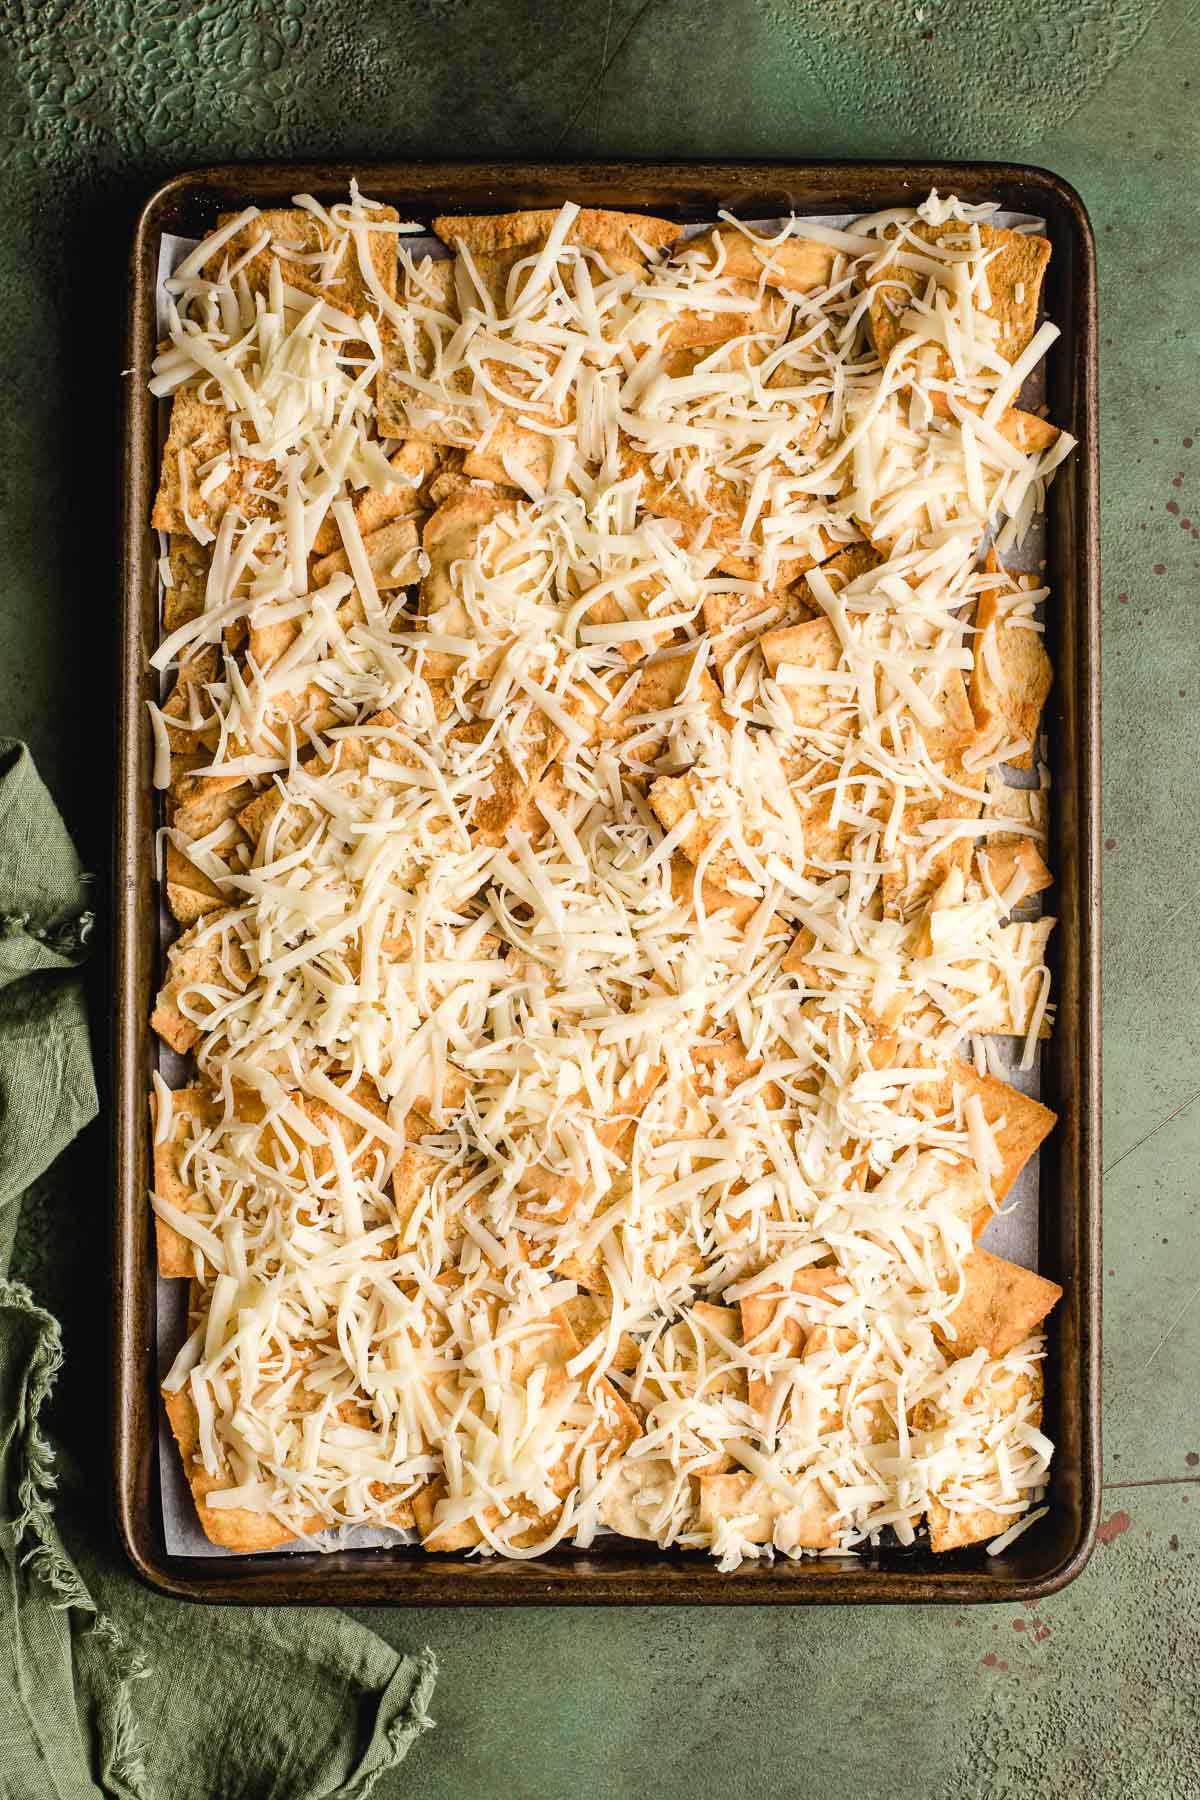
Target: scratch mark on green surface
point(1170, 1328)
point(605, 67)
point(1154, 1129)
point(600, 78)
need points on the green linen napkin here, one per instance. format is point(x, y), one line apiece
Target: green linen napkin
point(106, 1687)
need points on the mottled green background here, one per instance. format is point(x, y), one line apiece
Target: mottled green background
point(1095, 1693)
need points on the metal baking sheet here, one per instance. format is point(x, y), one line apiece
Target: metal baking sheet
point(1056, 1231)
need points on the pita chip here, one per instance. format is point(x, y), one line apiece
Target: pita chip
point(497, 242)
point(196, 961)
point(191, 894)
point(955, 1529)
point(415, 464)
point(192, 1109)
point(392, 552)
point(198, 443)
point(767, 1516)
point(296, 238)
point(232, 1527)
point(1000, 1304)
point(1013, 276)
point(1011, 677)
point(799, 656)
point(1015, 870)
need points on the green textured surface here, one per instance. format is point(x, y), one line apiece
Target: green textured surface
point(1096, 1692)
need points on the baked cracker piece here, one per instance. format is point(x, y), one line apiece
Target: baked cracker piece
point(191, 894)
point(197, 959)
point(497, 242)
point(1015, 870)
point(416, 464)
point(1000, 1305)
point(1014, 280)
point(393, 554)
point(766, 1515)
point(953, 1521)
point(662, 684)
point(793, 265)
point(776, 1323)
point(547, 1346)
point(719, 516)
point(296, 238)
point(232, 1527)
point(495, 246)
point(1018, 1121)
point(1011, 676)
point(192, 1110)
point(198, 440)
point(449, 537)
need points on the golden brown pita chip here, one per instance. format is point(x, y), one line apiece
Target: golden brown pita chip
point(1000, 1305)
point(661, 685)
point(232, 1527)
point(720, 516)
point(768, 1516)
point(558, 1194)
point(1027, 432)
point(511, 787)
point(428, 292)
point(740, 907)
point(775, 1325)
point(183, 599)
point(1026, 1122)
point(450, 482)
point(358, 1140)
point(632, 607)
point(197, 441)
point(1011, 677)
point(672, 798)
point(416, 463)
point(198, 809)
point(588, 1316)
point(496, 242)
point(392, 552)
point(956, 728)
point(188, 701)
point(796, 265)
point(1021, 806)
point(1016, 870)
point(907, 888)
point(295, 237)
point(449, 537)
point(638, 1488)
point(814, 648)
point(343, 755)
point(512, 447)
point(734, 620)
point(191, 894)
point(192, 1109)
point(1014, 281)
point(496, 245)
point(697, 329)
point(199, 958)
point(546, 1347)
point(954, 1530)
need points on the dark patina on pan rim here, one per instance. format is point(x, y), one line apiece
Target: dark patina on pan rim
point(616, 1570)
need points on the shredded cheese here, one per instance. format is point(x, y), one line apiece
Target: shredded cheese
point(575, 1142)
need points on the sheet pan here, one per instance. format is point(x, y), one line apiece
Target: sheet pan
point(1057, 1226)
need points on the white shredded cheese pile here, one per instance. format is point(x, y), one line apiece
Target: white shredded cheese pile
point(584, 800)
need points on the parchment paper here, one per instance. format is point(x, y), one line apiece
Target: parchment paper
point(1013, 1234)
